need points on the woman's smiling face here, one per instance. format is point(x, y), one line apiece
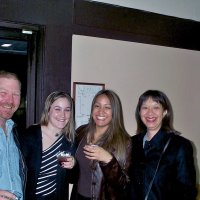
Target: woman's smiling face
point(152, 114)
point(59, 113)
point(102, 111)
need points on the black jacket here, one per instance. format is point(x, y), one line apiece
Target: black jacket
point(22, 165)
point(32, 150)
point(175, 178)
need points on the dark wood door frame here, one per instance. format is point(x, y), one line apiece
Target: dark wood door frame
point(115, 22)
point(34, 92)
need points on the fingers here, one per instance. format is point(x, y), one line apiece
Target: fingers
point(91, 148)
point(69, 163)
point(6, 195)
point(94, 152)
point(91, 151)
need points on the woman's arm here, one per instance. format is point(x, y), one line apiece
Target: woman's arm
point(186, 174)
point(114, 173)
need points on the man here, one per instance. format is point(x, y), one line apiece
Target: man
point(12, 167)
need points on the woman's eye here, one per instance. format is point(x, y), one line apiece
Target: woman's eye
point(57, 109)
point(143, 108)
point(68, 110)
point(156, 108)
point(108, 107)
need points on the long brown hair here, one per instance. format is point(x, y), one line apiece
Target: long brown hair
point(115, 138)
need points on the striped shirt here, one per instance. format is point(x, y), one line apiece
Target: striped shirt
point(46, 183)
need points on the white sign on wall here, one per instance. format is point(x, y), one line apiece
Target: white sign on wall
point(83, 96)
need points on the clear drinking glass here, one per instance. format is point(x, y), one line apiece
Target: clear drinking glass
point(62, 156)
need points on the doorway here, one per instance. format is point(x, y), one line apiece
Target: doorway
point(19, 56)
point(14, 58)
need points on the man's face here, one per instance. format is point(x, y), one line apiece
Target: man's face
point(10, 92)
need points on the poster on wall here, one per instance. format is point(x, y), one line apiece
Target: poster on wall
point(83, 95)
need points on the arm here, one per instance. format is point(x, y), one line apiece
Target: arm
point(112, 171)
point(114, 174)
point(186, 175)
point(4, 194)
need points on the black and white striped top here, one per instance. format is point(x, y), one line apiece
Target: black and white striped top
point(46, 183)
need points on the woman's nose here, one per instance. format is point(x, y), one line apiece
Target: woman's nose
point(150, 111)
point(102, 110)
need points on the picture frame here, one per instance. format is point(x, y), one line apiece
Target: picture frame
point(83, 94)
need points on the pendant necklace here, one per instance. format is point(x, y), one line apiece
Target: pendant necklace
point(58, 134)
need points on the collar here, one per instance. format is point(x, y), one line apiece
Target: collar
point(9, 122)
point(9, 126)
point(159, 139)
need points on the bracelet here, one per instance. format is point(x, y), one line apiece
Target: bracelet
point(9, 198)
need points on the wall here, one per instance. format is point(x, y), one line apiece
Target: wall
point(178, 8)
point(56, 18)
point(131, 68)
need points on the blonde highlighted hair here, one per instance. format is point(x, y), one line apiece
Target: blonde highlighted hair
point(69, 129)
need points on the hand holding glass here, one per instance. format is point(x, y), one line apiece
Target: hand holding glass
point(66, 160)
point(63, 156)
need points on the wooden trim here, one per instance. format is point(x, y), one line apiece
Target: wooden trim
point(34, 85)
point(116, 22)
point(76, 84)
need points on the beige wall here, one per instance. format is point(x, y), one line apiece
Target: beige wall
point(131, 68)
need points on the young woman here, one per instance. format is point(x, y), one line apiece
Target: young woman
point(162, 160)
point(103, 154)
point(47, 178)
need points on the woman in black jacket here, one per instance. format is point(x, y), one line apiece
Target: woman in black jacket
point(47, 179)
point(162, 160)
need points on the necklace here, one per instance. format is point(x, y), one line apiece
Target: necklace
point(58, 134)
point(51, 136)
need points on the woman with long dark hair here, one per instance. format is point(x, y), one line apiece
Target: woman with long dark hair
point(162, 160)
point(103, 154)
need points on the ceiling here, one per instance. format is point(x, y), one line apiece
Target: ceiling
point(15, 46)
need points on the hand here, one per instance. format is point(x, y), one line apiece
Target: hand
point(4, 194)
point(68, 163)
point(95, 152)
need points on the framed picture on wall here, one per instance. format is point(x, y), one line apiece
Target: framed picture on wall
point(83, 94)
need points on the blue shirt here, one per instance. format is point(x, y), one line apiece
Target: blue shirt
point(9, 166)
